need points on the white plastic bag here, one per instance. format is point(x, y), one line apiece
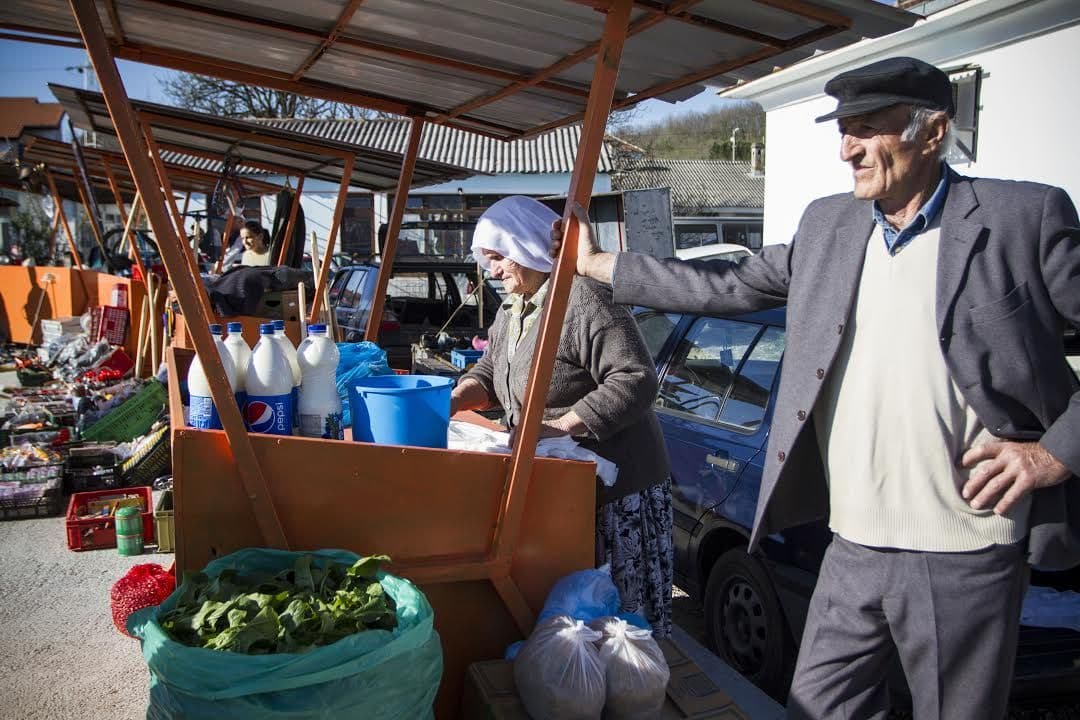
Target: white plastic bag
point(558, 672)
point(636, 672)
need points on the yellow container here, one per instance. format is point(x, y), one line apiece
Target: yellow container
point(165, 523)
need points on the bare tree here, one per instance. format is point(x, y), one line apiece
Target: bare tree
point(230, 99)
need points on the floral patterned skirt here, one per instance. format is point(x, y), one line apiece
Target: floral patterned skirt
point(633, 534)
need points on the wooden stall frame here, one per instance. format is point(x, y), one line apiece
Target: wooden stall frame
point(496, 556)
point(331, 239)
point(286, 242)
point(173, 254)
point(387, 252)
point(59, 203)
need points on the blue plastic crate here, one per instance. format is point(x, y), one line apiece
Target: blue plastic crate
point(464, 358)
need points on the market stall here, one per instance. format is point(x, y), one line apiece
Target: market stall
point(475, 531)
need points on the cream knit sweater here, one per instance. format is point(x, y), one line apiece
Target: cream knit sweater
point(893, 425)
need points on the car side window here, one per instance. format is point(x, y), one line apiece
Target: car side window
point(408, 285)
point(352, 289)
point(338, 285)
point(749, 396)
point(656, 327)
point(702, 371)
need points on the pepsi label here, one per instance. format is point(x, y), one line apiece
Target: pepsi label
point(202, 414)
point(271, 414)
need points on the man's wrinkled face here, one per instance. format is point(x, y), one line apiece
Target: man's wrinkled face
point(884, 166)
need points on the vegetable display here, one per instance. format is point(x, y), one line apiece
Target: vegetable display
point(314, 603)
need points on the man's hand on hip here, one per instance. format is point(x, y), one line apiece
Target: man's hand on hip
point(1011, 471)
point(591, 261)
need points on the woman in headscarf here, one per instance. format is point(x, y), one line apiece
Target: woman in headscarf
point(602, 391)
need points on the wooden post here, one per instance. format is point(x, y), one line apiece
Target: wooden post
point(387, 252)
point(286, 243)
point(63, 221)
point(601, 91)
point(129, 233)
point(93, 221)
point(191, 260)
point(53, 229)
point(224, 241)
point(173, 252)
point(187, 199)
point(339, 210)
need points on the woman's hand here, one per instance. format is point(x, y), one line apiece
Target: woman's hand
point(591, 261)
point(569, 424)
point(468, 395)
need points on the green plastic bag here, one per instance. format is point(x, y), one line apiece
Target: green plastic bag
point(376, 675)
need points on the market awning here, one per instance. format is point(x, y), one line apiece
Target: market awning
point(186, 172)
point(255, 145)
point(504, 69)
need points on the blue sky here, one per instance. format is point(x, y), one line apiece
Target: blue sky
point(26, 69)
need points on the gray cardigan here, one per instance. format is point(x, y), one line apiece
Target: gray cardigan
point(603, 372)
point(1008, 278)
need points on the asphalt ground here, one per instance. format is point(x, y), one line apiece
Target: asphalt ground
point(60, 655)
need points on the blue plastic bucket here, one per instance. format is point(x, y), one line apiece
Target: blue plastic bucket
point(401, 409)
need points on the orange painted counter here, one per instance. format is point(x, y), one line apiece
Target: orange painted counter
point(71, 293)
point(433, 511)
point(21, 289)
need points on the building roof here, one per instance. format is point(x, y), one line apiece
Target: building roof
point(946, 37)
point(505, 68)
point(696, 185)
point(25, 113)
point(553, 152)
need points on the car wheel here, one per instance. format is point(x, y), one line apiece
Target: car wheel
point(745, 625)
point(352, 337)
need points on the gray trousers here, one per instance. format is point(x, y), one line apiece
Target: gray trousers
point(952, 618)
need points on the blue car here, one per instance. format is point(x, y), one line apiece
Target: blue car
point(718, 380)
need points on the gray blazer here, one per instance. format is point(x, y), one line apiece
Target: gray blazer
point(603, 372)
point(1008, 278)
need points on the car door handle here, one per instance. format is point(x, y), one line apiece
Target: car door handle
point(723, 463)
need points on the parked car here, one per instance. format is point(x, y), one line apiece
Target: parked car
point(421, 297)
point(718, 381)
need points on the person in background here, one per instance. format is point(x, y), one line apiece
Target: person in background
point(925, 404)
point(256, 245)
point(602, 390)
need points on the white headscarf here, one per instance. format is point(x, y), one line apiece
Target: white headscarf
point(518, 228)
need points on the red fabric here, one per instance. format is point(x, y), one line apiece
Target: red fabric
point(143, 585)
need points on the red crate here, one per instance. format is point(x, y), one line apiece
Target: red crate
point(96, 533)
point(110, 323)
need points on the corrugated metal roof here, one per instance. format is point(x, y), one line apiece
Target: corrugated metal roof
point(553, 152)
point(187, 173)
point(505, 67)
point(20, 113)
point(696, 185)
point(254, 144)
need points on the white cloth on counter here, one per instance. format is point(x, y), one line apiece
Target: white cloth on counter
point(467, 436)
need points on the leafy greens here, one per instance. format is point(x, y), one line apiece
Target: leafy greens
point(310, 605)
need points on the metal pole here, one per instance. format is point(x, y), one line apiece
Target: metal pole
point(601, 91)
point(339, 210)
point(172, 250)
point(401, 197)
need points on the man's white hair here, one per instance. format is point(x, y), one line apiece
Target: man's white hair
point(920, 120)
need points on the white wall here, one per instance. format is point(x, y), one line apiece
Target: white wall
point(1026, 128)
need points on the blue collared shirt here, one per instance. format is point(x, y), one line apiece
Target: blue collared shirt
point(895, 240)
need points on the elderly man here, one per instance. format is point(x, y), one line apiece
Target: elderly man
point(925, 406)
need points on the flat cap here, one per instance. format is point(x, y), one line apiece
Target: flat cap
point(893, 81)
